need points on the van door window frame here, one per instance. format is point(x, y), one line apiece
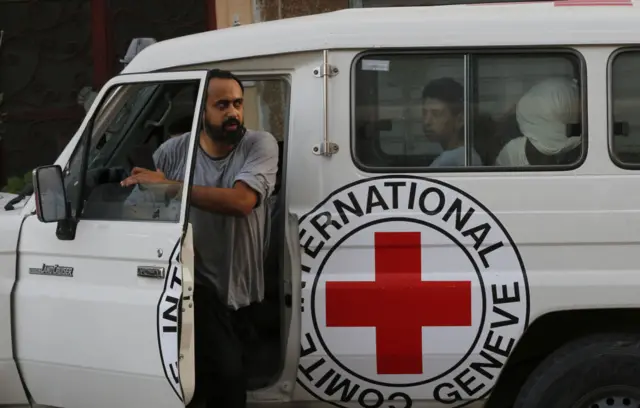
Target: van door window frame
point(617, 127)
point(97, 111)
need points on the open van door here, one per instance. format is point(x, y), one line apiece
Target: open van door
point(187, 340)
point(103, 304)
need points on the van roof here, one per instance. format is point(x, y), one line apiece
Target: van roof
point(497, 24)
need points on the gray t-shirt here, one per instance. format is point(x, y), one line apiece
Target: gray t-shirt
point(229, 250)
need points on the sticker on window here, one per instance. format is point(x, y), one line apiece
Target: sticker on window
point(375, 65)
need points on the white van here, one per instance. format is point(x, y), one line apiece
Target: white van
point(415, 260)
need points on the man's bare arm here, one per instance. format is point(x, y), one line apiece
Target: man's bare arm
point(253, 183)
point(239, 200)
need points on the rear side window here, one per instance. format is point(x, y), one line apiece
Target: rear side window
point(502, 111)
point(624, 142)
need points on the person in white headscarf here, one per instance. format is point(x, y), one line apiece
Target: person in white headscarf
point(543, 114)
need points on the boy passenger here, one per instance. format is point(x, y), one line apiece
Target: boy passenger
point(443, 122)
point(235, 173)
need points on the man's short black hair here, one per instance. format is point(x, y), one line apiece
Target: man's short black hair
point(223, 74)
point(447, 90)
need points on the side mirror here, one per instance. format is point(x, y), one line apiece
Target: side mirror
point(50, 194)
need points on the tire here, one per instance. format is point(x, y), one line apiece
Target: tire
point(595, 371)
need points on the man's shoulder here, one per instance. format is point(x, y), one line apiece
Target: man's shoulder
point(254, 136)
point(175, 143)
point(261, 140)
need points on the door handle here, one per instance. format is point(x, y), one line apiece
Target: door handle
point(155, 272)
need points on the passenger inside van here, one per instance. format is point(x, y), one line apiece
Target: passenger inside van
point(443, 121)
point(545, 115)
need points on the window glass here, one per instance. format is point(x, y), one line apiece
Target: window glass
point(434, 112)
point(133, 123)
point(265, 105)
point(625, 97)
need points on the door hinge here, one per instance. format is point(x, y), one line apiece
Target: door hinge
point(325, 149)
point(325, 70)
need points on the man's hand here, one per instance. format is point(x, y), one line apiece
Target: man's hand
point(144, 176)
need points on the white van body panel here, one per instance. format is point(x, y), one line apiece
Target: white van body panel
point(11, 391)
point(577, 237)
point(71, 330)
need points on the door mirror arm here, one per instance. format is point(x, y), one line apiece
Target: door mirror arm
point(66, 229)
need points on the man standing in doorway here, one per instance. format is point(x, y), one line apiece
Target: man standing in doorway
point(235, 173)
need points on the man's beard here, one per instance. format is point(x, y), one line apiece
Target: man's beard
point(223, 135)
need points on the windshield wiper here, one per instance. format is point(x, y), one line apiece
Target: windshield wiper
point(26, 191)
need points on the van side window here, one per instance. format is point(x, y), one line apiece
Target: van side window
point(132, 123)
point(624, 142)
point(468, 112)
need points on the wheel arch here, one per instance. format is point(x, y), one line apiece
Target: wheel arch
point(547, 333)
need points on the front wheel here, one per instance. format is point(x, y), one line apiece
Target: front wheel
point(599, 371)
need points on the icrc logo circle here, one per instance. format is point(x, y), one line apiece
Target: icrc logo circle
point(402, 238)
point(412, 284)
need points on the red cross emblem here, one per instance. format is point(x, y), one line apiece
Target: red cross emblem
point(398, 303)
